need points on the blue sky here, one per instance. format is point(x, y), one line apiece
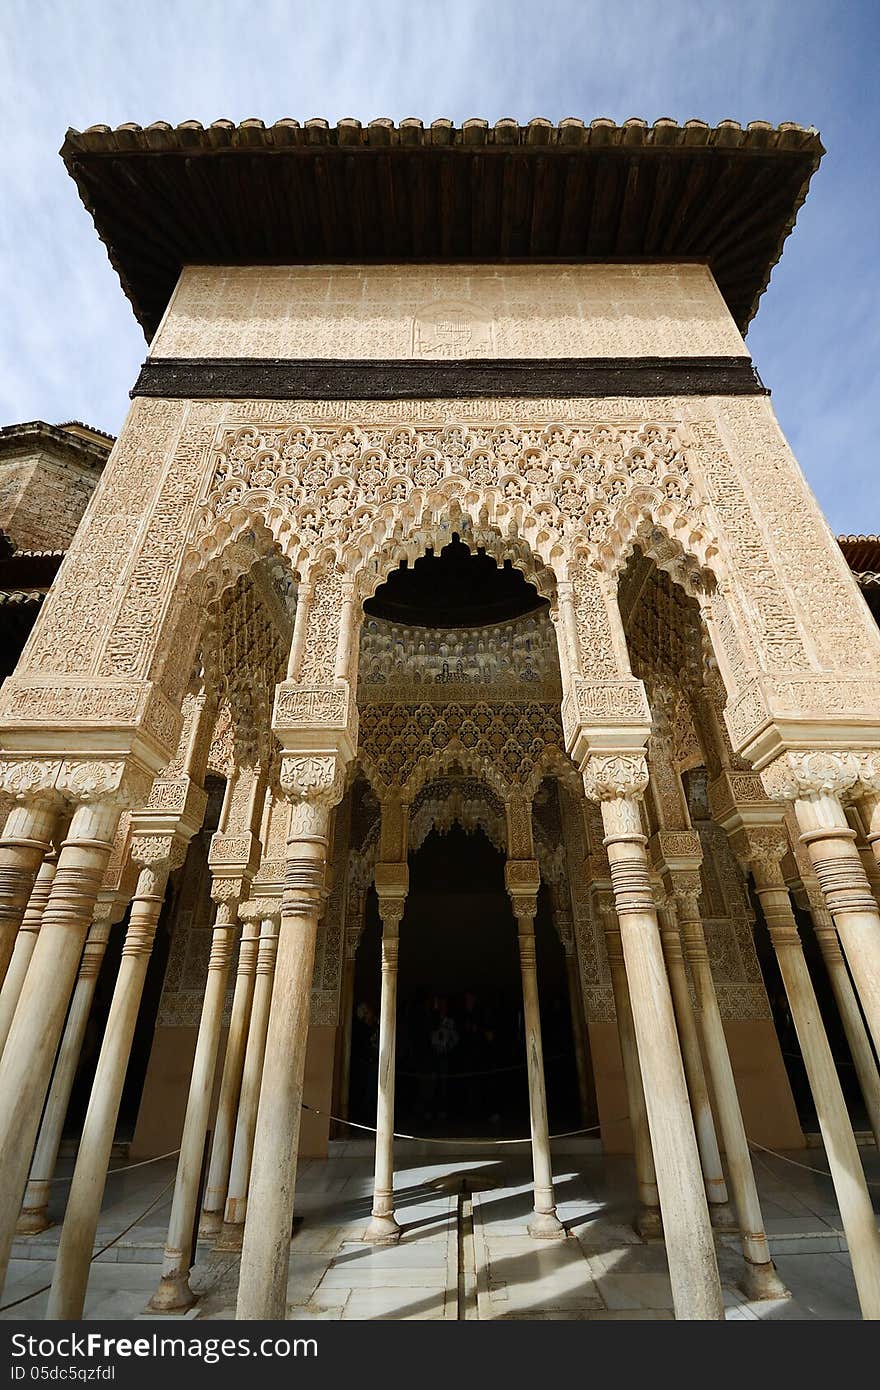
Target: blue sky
point(69, 346)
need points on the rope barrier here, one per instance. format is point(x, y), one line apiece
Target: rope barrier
point(820, 1172)
point(104, 1248)
point(127, 1168)
point(465, 1143)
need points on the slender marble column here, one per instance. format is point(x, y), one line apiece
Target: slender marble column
point(26, 837)
point(25, 941)
point(830, 843)
point(648, 1222)
point(315, 784)
point(760, 1279)
point(689, 1040)
point(71, 1273)
point(545, 1224)
point(230, 1084)
point(586, 1090)
point(174, 1293)
point(383, 1227)
point(616, 781)
point(34, 1216)
point(246, 1120)
point(841, 1150)
point(860, 1048)
point(26, 1064)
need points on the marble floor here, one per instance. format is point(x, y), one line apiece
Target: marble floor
point(464, 1252)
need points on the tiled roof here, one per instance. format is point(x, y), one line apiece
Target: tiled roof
point(163, 196)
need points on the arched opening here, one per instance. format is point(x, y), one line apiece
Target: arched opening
point(460, 1059)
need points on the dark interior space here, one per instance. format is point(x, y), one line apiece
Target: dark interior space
point(457, 588)
point(460, 1053)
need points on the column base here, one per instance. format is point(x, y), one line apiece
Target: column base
point(33, 1220)
point(762, 1281)
point(383, 1230)
point(723, 1217)
point(649, 1223)
point(210, 1223)
point(173, 1295)
point(230, 1237)
point(545, 1225)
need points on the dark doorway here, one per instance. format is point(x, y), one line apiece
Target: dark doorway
point(460, 1053)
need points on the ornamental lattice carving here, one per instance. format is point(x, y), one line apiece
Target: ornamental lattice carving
point(334, 490)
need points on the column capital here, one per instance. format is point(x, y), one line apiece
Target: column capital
point(674, 850)
point(155, 850)
point(30, 779)
point(391, 912)
point(522, 879)
point(392, 881)
point(313, 780)
point(764, 845)
point(261, 909)
point(798, 774)
point(615, 776)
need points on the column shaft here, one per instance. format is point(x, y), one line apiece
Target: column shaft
point(383, 1225)
point(174, 1292)
point(761, 1279)
point(860, 1047)
point(545, 1224)
point(648, 1222)
point(230, 1084)
point(856, 1210)
point(26, 1064)
point(252, 1075)
point(25, 941)
point(693, 1269)
point(71, 1273)
point(262, 1290)
point(701, 1109)
point(34, 1215)
point(586, 1089)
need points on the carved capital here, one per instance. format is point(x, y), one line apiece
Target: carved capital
point(29, 779)
point(261, 909)
point(158, 850)
point(391, 911)
point(392, 881)
point(608, 776)
point(763, 847)
point(522, 879)
point(101, 780)
point(796, 773)
point(318, 778)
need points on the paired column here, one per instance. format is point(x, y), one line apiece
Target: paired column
point(157, 857)
point(34, 1215)
point(856, 1210)
point(617, 781)
point(857, 1038)
point(174, 1293)
point(230, 1084)
point(701, 1109)
point(314, 783)
point(760, 1279)
point(648, 1222)
point(252, 1074)
point(25, 941)
point(392, 882)
point(26, 1064)
point(565, 929)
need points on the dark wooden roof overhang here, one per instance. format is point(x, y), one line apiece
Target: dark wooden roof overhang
point(166, 196)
